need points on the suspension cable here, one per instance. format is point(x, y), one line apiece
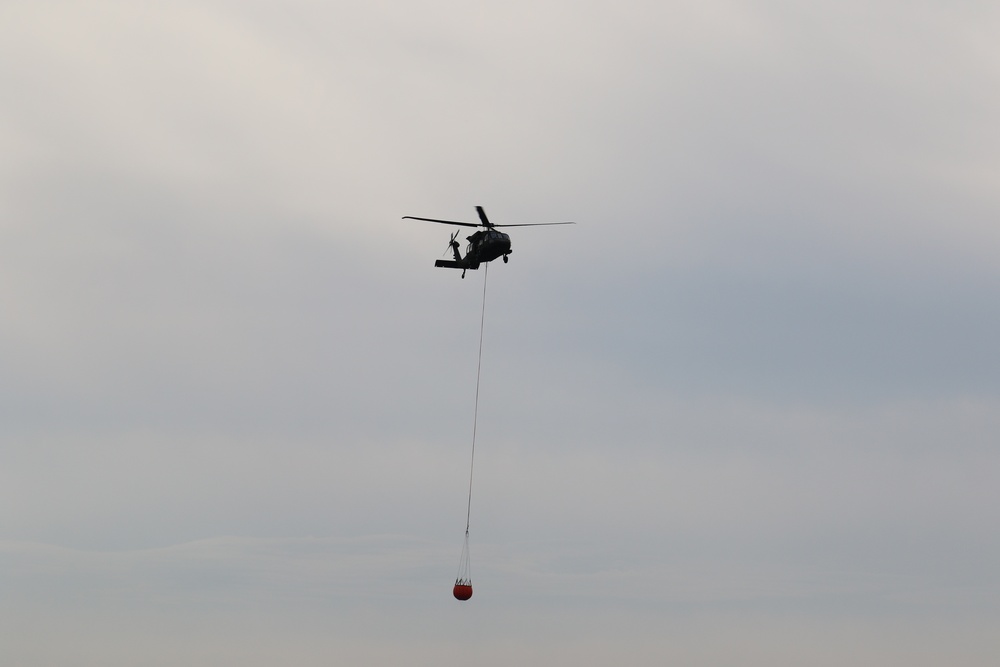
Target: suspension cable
point(475, 418)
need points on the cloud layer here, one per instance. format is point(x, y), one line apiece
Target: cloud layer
point(744, 410)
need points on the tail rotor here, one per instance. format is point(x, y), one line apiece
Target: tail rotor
point(452, 244)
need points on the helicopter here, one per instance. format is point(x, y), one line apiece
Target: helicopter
point(485, 244)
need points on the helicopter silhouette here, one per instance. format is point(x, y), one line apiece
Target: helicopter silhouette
point(485, 244)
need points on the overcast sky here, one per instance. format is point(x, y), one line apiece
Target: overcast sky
point(744, 412)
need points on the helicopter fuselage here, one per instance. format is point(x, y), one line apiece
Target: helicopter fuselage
point(484, 246)
point(488, 244)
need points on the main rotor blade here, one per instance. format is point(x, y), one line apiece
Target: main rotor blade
point(443, 222)
point(482, 216)
point(537, 224)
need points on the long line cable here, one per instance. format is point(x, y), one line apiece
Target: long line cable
point(464, 577)
point(475, 418)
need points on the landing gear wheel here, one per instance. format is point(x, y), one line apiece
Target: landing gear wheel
point(505, 260)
